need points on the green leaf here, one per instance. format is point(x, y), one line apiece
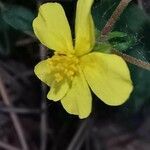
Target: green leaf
point(102, 47)
point(132, 19)
point(117, 34)
point(121, 41)
point(18, 17)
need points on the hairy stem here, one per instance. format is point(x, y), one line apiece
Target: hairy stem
point(114, 17)
point(134, 61)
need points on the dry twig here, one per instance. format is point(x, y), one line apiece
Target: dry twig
point(80, 136)
point(13, 116)
point(20, 110)
point(43, 106)
point(7, 146)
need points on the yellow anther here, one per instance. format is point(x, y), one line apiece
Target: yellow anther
point(58, 77)
point(64, 66)
point(71, 78)
point(70, 73)
point(73, 67)
point(66, 70)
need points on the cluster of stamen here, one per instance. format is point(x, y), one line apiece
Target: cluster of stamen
point(63, 66)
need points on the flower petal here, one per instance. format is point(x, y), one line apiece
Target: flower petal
point(84, 27)
point(108, 77)
point(52, 28)
point(43, 72)
point(58, 91)
point(78, 100)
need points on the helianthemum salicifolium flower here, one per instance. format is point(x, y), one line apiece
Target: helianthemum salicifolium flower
point(74, 68)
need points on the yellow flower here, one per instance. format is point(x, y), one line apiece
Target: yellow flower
point(74, 67)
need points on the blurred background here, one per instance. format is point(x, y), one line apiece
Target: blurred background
point(28, 121)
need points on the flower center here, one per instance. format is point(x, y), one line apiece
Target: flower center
point(63, 66)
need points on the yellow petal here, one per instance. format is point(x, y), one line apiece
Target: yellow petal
point(108, 77)
point(78, 100)
point(52, 28)
point(43, 71)
point(58, 91)
point(84, 27)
